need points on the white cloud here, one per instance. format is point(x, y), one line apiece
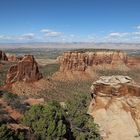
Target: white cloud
point(50, 33)
point(5, 37)
point(117, 34)
point(72, 35)
point(27, 36)
point(45, 30)
point(138, 27)
point(136, 33)
point(53, 34)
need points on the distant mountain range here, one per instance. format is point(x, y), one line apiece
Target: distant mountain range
point(120, 46)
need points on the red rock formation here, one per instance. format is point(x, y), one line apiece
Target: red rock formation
point(116, 107)
point(26, 70)
point(3, 56)
point(14, 58)
point(76, 61)
point(133, 61)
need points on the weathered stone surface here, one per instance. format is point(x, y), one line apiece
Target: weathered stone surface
point(116, 107)
point(79, 61)
point(133, 61)
point(14, 58)
point(3, 56)
point(26, 70)
point(33, 101)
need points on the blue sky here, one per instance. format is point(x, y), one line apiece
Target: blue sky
point(69, 21)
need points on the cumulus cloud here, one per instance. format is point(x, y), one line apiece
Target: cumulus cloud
point(117, 34)
point(138, 27)
point(24, 37)
point(45, 30)
point(5, 37)
point(136, 33)
point(53, 34)
point(27, 36)
point(50, 33)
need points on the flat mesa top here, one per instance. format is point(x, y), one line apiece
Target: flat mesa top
point(114, 80)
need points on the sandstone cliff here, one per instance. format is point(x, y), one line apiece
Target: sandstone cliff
point(25, 70)
point(79, 61)
point(3, 56)
point(116, 107)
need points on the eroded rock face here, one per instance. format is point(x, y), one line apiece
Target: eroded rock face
point(116, 107)
point(3, 56)
point(134, 61)
point(25, 70)
point(14, 58)
point(79, 61)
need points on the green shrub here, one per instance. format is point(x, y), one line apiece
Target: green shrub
point(6, 134)
point(47, 121)
point(9, 96)
point(14, 101)
point(82, 125)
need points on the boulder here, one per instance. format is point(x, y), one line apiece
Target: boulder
point(33, 101)
point(25, 70)
point(115, 106)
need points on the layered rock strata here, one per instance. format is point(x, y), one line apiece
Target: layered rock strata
point(25, 70)
point(79, 61)
point(115, 106)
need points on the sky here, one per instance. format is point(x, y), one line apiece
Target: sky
point(24, 21)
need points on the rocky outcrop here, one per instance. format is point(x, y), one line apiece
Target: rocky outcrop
point(134, 61)
point(3, 56)
point(14, 58)
point(116, 107)
point(79, 61)
point(25, 70)
point(33, 101)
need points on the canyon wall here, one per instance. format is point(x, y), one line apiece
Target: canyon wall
point(79, 61)
point(115, 106)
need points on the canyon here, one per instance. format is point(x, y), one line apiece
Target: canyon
point(115, 99)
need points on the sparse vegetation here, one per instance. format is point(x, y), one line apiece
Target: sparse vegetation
point(3, 71)
point(93, 50)
point(8, 134)
point(14, 101)
point(49, 69)
point(63, 91)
